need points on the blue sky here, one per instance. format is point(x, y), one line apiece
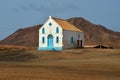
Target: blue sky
point(15, 14)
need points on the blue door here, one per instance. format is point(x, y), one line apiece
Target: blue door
point(50, 41)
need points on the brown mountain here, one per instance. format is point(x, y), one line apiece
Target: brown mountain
point(23, 37)
point(94, 34)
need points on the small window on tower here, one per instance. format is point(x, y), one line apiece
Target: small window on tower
point(50, 24)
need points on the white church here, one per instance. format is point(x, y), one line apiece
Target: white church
point(58, 34)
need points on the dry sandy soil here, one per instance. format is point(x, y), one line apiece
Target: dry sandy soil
point(75, 64)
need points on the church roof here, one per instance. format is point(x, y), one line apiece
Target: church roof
point(66, 25)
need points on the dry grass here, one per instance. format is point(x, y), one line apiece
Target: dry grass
point(9, 47)
point(76, 64)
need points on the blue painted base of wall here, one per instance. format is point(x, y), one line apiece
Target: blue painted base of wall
point(48, 48)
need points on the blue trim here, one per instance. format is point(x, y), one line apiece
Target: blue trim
point(48, 48)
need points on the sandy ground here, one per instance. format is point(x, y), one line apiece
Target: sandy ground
point(75, 64)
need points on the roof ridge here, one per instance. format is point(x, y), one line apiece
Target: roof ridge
point(66, 25)
point(58, 19)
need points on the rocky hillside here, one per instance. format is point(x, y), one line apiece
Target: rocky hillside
point(23, 37)
point(94, 34)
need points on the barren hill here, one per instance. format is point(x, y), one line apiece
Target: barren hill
point(23, 37)
point(94, 34)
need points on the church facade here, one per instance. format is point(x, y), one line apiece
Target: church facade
point(58, 34)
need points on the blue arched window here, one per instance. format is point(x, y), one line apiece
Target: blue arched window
point(57, 39)
point(43, 30)
point(57, 30)
point(43, 40)
point(72, 40)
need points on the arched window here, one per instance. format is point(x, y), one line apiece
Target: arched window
point(57, 39)
point(43, 30)
point(72, 40)
point(57, 30)
point(78, 35)
point(43, 40)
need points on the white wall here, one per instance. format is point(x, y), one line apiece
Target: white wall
point(50, 30)
point(67, 38)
